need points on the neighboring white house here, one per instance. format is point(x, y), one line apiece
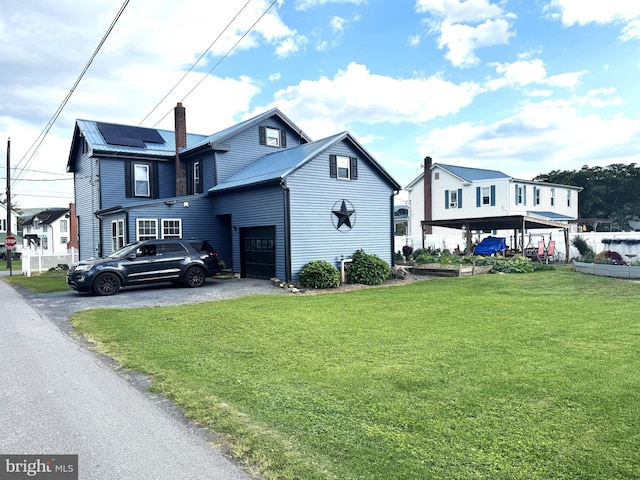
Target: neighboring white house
point(47, 232)
point(471, 203)
point(3, 227)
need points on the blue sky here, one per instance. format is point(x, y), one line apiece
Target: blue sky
point(525, 87)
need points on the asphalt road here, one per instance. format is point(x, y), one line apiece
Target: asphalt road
point(57, 397)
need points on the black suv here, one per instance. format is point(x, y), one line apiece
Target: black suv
point(150, 261)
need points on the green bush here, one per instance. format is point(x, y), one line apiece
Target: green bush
point(586, 252)
point(367, 269)
point(319, 274)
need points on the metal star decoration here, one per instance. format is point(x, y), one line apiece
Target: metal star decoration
point(343, 215)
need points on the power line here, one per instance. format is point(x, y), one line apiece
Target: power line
point(38, 142)
point(221, 59)
point(195, 63)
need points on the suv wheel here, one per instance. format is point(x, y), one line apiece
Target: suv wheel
point(106, 284)
point(194, 277)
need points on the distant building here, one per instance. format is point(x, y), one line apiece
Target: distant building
point(47, 232)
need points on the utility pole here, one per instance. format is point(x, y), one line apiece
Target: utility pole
point(9, 233)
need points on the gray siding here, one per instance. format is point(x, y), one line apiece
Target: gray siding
point(313, 196)
point(112, 178)
point(246, 148)
point(86, 192)
point(255, 208)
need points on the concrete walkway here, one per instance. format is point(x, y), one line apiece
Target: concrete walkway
point(58, 398)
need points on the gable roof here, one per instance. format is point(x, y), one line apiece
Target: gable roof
point(229, 132)
point(46, 217)
point(164, 144)
point(276, 166)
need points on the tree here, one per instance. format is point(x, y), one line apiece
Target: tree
point(608, 192)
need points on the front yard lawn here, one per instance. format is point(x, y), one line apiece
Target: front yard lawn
point(533, 376)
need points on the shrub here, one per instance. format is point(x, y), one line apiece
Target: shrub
point(367, 269)
point(586, 252)
point(319, 274)
point(609, 257)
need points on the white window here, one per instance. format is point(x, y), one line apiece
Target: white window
point(537, 199)
point(520, 197)
point(142, 181)
point(63, 226)
point(436, 175)
point(171, 228)
point(117, 234)
point(45, 228)
point(44, 242)
point(453, 199)
point(4, 225)
point(63, 240)
point(273, 136)
point(344, 167)
point(146, 229)
point(486, 196)
point(196, 177)
point(553, 197)
point(568, 198)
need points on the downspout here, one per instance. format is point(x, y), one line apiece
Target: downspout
point(286, 202)
point(393, 227)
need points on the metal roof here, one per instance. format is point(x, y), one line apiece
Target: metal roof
point(471, 174)
point(97, 142)
point(275, 166)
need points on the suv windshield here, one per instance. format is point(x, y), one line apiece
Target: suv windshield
point(124, 251)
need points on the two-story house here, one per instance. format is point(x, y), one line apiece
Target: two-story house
point(262, 192)
point(48, 232)
point(456, 203)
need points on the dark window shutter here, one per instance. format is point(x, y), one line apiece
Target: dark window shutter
point(128, 179)
point(283, 139)
point(517, 191)
point(446, 199)
point(478, 196)
point(525, 194)
point(493, 195)
point(263, 135)
point(354, 168)
point(155, 187)
point(459, 198)
point(333, 166)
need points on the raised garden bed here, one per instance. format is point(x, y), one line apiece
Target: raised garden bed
point(447, 270)
point(616, 271)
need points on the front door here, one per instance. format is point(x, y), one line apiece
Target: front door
point(258, 252)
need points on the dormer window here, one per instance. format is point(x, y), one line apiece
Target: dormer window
point(273, 137)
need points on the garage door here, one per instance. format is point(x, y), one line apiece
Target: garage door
point(258, 252)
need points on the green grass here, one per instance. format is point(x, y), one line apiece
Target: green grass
point(496, 377)
point(16, 265)
point(46, 282)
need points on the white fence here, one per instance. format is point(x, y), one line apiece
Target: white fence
point(38, 263)
point(615, 241)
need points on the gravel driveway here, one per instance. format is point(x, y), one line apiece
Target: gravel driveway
point(59, 306)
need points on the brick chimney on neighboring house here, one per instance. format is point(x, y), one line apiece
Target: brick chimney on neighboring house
point(181, 142)
point(73, 228)
point(428, 201)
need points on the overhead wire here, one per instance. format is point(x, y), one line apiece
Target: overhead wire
point(221, 59)
point(38, 142)
point(195, 63)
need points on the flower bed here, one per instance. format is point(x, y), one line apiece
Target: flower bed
point(607, 270)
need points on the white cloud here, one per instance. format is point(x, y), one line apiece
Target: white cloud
point(467, 26)
point(308, 4)
point(414, 40)
point(581, 12)
point(275, 77)
point(328, 105)
point(538, 137)
point(530, 71)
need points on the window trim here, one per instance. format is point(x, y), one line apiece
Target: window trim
point(117, 234)
point(267, 132)
point(163, 228)
point(353, 167)
point(146, 237)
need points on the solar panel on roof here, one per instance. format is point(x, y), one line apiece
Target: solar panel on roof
point(128, 136)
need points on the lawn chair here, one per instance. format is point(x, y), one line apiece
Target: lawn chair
point(551, 251)
point(541, 253)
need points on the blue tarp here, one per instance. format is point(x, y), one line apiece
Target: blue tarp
point(491, 245)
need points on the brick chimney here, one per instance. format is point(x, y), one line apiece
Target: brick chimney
point(428, 202)
point(181, 142)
